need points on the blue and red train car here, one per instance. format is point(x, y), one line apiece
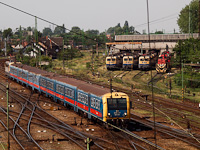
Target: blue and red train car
point(91, 99)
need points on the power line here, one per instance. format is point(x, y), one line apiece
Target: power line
point(46, 21)
point(155, 21)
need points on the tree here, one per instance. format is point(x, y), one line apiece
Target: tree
point(47, 31)
point(92, 32)
point(7, 32)
point(183, 20)
point(132, 30)
point(159, 32)
point(126, 27)
point(29, 29)
point(59, 30)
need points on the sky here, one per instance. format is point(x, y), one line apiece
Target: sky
point(93, 14)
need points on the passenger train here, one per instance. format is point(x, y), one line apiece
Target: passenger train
point(95, 101)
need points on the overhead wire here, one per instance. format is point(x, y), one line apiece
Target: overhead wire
point(46, 21)
point(153, 21)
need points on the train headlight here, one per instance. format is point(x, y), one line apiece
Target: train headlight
point(108, 114)
point(125, 114)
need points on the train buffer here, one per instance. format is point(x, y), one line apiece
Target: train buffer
point(145, 96)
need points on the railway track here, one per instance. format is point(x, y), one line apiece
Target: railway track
point(29, 108)
point(139, 74)
point(155, 79)
point(171, 132)
point(58, 124)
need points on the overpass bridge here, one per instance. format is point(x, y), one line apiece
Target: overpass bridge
point(157, 41)
point(155, 37)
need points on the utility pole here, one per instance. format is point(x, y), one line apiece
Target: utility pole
point(92, 61)
point(189, 21)
point(36, 41)
point(199, 19)
point(182, 83)
point(5, 47)
point(7, 93)
point(63, 56)
point(154, 119)
point(148, 23)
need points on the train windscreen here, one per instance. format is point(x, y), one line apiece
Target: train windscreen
point(117, 104)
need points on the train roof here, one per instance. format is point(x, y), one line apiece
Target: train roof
point(82, 85)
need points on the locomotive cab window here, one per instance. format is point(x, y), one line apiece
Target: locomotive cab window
point(130, 59)
point(141, 59)
point(108, 59)
point(113, 59)
point(117, 104)
point(125, 59)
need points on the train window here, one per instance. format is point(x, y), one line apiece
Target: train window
point(43, 82)
point(24, 75)
point(60, 89)
point(108, 59)
point(141, 59)
point(69, 92)
point(146, 59)
point(113, 59)
point(79, 97)
point(35, 79)
point(11, 70)
point(125, 59)
point(50, 85)
point(130, 59)
point(117, 103)
point(20, 73)
point(15, 71)
point(93, 102)
point(30, 77)
point(86, 99)
point(98, 104)
point(83, 98)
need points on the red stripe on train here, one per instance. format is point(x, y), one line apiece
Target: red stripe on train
point(82, 106)
point(93, 111)
point(69, 100)
point(50, 92)
point(42, 88)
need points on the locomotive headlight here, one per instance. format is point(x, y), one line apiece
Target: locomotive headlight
point(125, 114)
point(108, 114)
